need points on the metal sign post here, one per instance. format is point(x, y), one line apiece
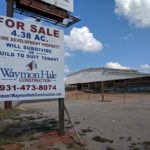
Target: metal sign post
point(8, 104)
point(61, 116)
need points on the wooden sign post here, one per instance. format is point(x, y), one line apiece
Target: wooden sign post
point(8, 104)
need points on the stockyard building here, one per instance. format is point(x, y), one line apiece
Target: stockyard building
point(110, 80)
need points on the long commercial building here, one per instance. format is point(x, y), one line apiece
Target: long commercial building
point(115, 80)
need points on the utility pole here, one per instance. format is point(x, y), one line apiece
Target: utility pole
point(8, 104)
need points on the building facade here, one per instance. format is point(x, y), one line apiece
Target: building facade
point(114, 80)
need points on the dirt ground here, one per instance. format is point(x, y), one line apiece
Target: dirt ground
point(122, 122)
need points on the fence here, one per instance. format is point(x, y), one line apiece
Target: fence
point(89, 96)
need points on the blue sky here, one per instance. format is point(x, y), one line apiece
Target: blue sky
point(111, 33)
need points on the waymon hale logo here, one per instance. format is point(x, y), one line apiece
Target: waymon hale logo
point(31, 66)
point(12, 74)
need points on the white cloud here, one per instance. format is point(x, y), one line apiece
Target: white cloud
point(115, 65)
point(137, 12)
point(127, 36)
point(82, 39)
point(145, 68)
point(67, 54)
point(67, 70)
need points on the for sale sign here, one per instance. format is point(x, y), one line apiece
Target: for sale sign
point(31, 61)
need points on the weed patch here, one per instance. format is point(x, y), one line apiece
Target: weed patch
point(146, 145)
point(120, 138)
point(76, 122)
point(129, 138)
point(134, 148)
point(101, 139)
point(87, 130)
point(109, 148)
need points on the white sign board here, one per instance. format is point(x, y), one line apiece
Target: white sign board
point(31, 61)
point(64, 4)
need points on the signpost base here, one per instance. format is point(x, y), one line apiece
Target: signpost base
point(8, 104)
point(61, 116)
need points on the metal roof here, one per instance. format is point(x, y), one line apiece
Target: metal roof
point(102, 74)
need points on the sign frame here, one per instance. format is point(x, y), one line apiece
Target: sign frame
point(63, 4)
point(41, 47)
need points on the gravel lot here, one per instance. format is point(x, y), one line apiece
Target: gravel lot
point(111, 125)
